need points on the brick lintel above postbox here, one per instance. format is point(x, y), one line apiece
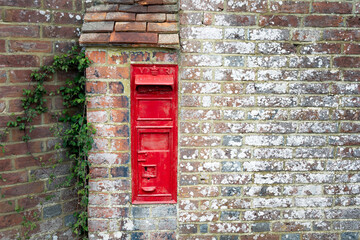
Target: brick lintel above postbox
point(132, 23)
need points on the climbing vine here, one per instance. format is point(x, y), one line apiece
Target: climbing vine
point(72, 127)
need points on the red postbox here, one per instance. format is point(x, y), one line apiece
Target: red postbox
point(154, 133)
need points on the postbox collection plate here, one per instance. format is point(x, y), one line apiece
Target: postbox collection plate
point(154, 110)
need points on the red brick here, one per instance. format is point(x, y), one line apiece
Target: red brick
point(116, 88)
point(120, 145)
point(96, 225)
point(94, 17)
point(3, 76)
point(162, 235)
point(204, 5)
point(191, 18)
point(59, 4)
point(6, 207)
point(332, 7)
point(199, 191)
point(20, 3)
point(2, 106)
point(13, 178)
point(162, 27)
point(235, 20)
point(20, 76)
point(133, 37)
point(200, 141)
point(150, 2)
point(260, 237)
point(289, 7)
point(347, 62)
point(19, 31)
point(96, 56)
point(321, 48)
point(38, 132)
point(121, 58)
point(323, 21)
point(248, 6)
point(108, 72)
point(5, 165)
point(317, 236)
point(351, 48)
point(32, 201)
point(60, 32)
point(208, 19)
point(108, 102)
point(112, 130)
point(103, 8)
point(165, 57)
point(10, 220)
point(171, 17)
point(30, 46)
point(120, 16)
point(30, 188)
point(120, 198)
point(109, 158)
point(282, 21)
point(130, 27)
point(67, 18)
point(290, 226)
point(350, 127)
point(96, 172)
point(352, 76)
point(97, 116)
point(96, 87)
point(140, 56)
point(228, 227)
point(133, 8)
point(31, 16)
point(121, 115)
point(63, 46)
point(2, 46)
point(150, 17)
point(353, 22)
point(342, 35)
point(106, 212)
point(12, 91)
point(94, 38)
point(163, 9)
point(19, 61)
point(22, 148)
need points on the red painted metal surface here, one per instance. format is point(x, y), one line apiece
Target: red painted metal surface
point(154, 133)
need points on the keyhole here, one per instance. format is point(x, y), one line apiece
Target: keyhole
point(145, 169)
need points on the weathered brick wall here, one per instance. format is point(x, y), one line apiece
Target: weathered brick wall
point(269, 123)
point(31, 33)
point(111, 214)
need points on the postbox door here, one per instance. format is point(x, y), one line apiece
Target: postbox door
point(154, 162)
point(154, 133)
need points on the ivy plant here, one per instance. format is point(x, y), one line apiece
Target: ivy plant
point(73, 130)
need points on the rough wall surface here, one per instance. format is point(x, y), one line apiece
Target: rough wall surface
point(31, 33)
point(268, 126)
point(112, 216)
point(269, 134)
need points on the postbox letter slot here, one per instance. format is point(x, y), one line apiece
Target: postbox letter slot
point(150, 80)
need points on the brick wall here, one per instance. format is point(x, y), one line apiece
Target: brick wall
point(268, 133)
point(31, 33)
point(111, 214)
point(269, 120)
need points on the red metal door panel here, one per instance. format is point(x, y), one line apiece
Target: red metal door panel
point(154, 133)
